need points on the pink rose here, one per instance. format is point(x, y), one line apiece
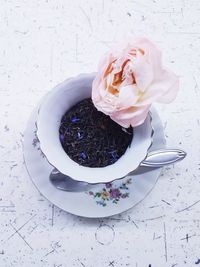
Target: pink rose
point(129, 80)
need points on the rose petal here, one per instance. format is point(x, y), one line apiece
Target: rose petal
point(143, 73)
point(171, 81)
point(96, 85)
point(131, 117)
point(163, 90)
point(128, 96)
point(151, 52)
point(104, 63)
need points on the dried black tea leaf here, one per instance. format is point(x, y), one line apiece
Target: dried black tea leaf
point(91, 138)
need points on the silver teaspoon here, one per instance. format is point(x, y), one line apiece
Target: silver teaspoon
point(154, 159)
point(162, 157)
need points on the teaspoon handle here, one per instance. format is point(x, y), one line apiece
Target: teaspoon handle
point(162, 157)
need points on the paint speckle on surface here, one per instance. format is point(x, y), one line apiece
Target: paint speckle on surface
point(105, 234)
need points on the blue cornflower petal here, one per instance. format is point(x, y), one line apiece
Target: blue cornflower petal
point(75, 119)
point(83, 155)
point(62, 137)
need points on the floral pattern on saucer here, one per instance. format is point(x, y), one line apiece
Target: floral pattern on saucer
point(36, 144)
point(111, 193)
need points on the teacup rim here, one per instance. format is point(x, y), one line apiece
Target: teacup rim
point(51, 162)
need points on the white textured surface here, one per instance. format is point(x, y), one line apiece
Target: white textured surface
point(41, 44)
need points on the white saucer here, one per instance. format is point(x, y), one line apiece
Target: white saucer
point(102, 200)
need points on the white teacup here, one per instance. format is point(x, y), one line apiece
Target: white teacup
point(57, 102)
